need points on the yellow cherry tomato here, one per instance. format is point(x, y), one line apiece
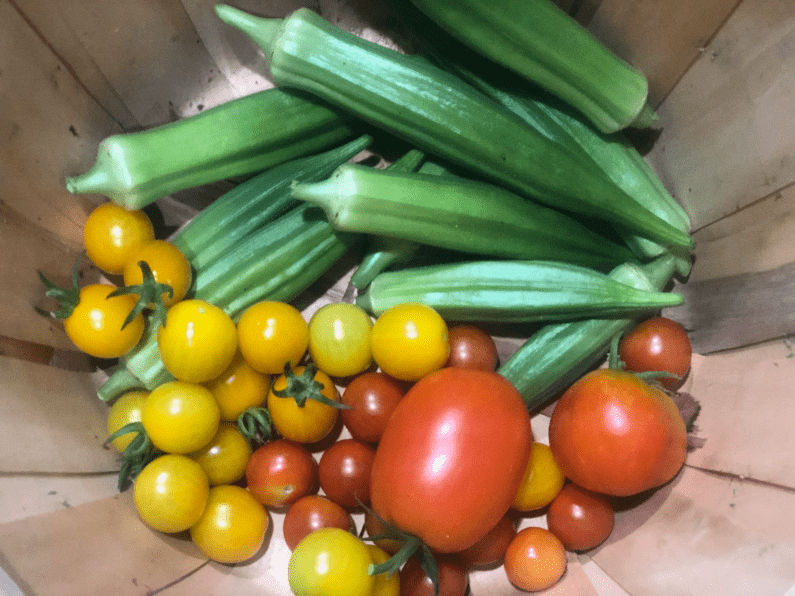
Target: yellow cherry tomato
point(272, 334)
point(224, 458)
point(198, 341)
point(95, 325)
point(126, 409)
point(180, 417)
point(232, 527)
point(330, 562)
point(410, 341)
point(238, 388)
point(339, 339)
point(112, 234)
point(170, 493)
point(383, 583)
point(542, 480)
point(303, 424)
point(168, 265)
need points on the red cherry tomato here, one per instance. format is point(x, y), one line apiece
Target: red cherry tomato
point(581, 519)
point(281, 472)
point(311, 513)
point(471, 347)
point(372, 398)
point(491, 548)
point(657, 344)
point(614, 434)
point(344, 472)
point(535, 559)
point(453, 579)
point(452, 457)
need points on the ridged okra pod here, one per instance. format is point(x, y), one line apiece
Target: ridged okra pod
point(217, 228)
point(242, 136)
point(439, 113)
point(612, 153)
point(456, 214)
point(511, 292)
point(558, 354)
point(538, 41)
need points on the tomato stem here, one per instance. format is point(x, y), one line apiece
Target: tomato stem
point(67, 298)
point(150, 295)
point(256, 424)
point(304, 386)
point(138, 453)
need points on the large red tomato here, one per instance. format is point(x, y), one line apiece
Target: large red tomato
point(615, 434)
point(452, 457)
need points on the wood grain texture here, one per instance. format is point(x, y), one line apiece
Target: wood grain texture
point(51, 421)
point(727, 139)
point(704, 534)
point(736, 311)
point(97, 548)
point(746, 410)
point(660, 37)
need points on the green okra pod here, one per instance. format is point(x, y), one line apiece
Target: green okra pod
point(439, 113)
point(456, 214)
point(511, 292)
point(242, 136)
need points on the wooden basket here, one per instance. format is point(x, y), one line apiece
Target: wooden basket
point(722, 76)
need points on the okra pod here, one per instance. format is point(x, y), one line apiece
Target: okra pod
point(511, 292)
point(242, 136)
point(456, 214)
point(439, 113)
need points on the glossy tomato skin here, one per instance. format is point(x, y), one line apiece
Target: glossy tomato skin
point(471, 347)
point(95, 325)
point(453, 580)
point(311, 513)
point(168, 265)
point(344, 472)
point(581, 519)
point(372, 397)
point(657, 344)
point(281, 472)
point(232, 527)
point(428, 478)
point(111, 234)
point(614, 434)
point(330, 562)
point(535, 559)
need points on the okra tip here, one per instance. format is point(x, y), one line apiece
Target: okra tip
point(262, 31)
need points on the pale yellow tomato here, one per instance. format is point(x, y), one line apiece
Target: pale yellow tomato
point(339, 339)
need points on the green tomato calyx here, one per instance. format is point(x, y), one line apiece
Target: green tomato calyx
point(304, 386)
point(137, 455)
point(411, 546)
point(67, 298)
point(150, 295)
point(256, 424)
